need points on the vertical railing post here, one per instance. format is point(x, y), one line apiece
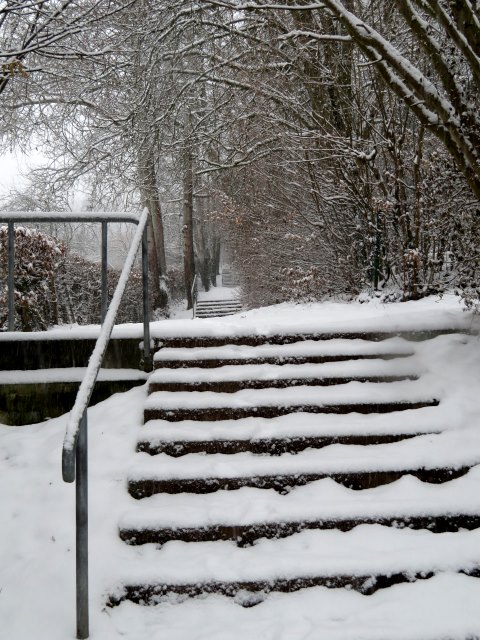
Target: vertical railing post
point(104, 270)
point(81, 481)
point(194, 296)
point(11, 276)
point(147, 358)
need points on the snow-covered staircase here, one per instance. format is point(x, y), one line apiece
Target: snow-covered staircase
point(219, 301)
point(302, 462)
point(217, 308)
point(229, 279)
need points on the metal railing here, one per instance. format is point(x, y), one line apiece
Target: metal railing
point(194, 293)
point(16, 217)
point(74, 454)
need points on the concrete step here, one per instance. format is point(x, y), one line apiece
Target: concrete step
point(140, 487)
point(215, 313)
point(359, 559)
point(340, 398)
point(232, 337)
point(433, 458)
point(297, 348)
point(300, 352)
point(156, 411)
point(219, 303)
point(231, 386)
point(216, 308)
point(288, 433)
point(247, 534)
point(250, 513)
point(277, 360)
point(267, 446)
point(229, 379)
point(251, 593)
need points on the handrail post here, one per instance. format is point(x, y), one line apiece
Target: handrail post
point(104, 270)
point(81, 492)
point(194, 295)
point(11, 276)
point(147, 357)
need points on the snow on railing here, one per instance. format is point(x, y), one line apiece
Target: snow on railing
point(65, 216)
point(96, 359)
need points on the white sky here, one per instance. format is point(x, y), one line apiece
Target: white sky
point(12, 165)
point(9, 172)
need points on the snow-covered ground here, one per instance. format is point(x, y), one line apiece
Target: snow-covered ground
point(37, 553)
point(218, 293)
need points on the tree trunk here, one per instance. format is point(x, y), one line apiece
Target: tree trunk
point(154, 274)
point(188, 253)
point(156, 240)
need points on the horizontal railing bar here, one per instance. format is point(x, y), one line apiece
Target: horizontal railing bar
point(62, 216)
point(95, 362)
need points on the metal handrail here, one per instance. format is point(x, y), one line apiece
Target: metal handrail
point(74, 453)
point(63, 216)
point(104, 218)
point(194, 294)
point(75, 444)
point(96, 359)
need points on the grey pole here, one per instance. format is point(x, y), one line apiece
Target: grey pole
point(147, 359)
point(11, 276)
point(104, 270)
point(81, 492)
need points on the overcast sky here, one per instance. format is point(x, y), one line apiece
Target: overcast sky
point(9, 172)
point(12, 165)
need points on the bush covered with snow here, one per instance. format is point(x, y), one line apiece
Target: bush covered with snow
point(55, 286)
point(37, 258)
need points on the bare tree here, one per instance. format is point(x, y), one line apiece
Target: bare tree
point(48, 29)
point(443, 103)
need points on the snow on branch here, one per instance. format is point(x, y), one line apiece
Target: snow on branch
point(314, 36)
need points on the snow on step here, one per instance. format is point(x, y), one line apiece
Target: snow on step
point(322, 500)
point(223, 302)
point(445, 606)
point(301, 349)
point(214, 306)
point(214, 312)
point(411, 421)
point(217, 308)
point(367, 550)
point(251, 372)
point(452, 450)
point(342, 394)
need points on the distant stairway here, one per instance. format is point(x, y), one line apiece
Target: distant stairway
point(229, 279)
point(290, 464)
point(216, 308)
